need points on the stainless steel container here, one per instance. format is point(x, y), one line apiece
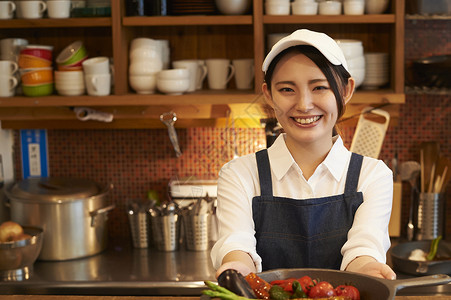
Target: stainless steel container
point(72, 212)
point(431, 216)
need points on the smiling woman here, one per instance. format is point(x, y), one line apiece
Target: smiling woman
point(306, 201)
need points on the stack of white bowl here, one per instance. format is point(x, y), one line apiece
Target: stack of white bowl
point(377, 70)
point(353, 51)
point(304, 7)
point(277, 7)
point(146, 61)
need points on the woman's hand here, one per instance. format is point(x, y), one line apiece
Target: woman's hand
point(237, 260)
point(369, 266)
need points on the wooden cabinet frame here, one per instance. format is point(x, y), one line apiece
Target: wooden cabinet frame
point(205, 107)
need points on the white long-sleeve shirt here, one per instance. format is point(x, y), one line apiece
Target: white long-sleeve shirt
point(238, 184)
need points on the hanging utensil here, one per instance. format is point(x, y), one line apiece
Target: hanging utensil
point(169, 119)
point(369, 135)
point(409, 171)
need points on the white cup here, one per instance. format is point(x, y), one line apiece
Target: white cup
point(244, 73)
point(8, 84)
point(33, 9)
point(96, 65)
point(201, 75)
point(195, 70)
point(58, 9)
point(98, 84)
point(7, 9)
point(11, 47)
point(8, 67)
point(219, 73)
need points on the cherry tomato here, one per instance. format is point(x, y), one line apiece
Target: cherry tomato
point(307, 283)
point(286, 284)
point(348, 291)
point(322, 289)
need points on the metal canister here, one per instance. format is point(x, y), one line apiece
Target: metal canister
point(71, 211)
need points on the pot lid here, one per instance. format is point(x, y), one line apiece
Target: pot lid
point(54, 190)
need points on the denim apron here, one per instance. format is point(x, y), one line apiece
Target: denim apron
point(303, 233)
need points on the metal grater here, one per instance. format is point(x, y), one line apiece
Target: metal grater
point(369, 135)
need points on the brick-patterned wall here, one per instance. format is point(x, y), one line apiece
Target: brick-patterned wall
point(136, 161)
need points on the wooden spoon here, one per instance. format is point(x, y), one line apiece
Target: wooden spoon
point(443, 169)
point(430, 152)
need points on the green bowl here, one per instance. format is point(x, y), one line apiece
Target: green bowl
point(72, 54)
point(37, 90)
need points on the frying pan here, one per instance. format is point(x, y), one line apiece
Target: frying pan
point(401, 262)
point(371, 288)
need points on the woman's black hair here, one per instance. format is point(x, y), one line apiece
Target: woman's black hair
point(337, 76)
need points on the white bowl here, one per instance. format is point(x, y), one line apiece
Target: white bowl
point(304, 8)
point(145, 66)
point(351, 48)
point(282, 2)
point(376, 6)
point(353, 7)
point(233, 7)
point(277, 9)
point(358, 75)
point(143, 84)
point(70, 91)
point(68, 75)
point(143, 42)
point(145, 53)
point(357, 62)
point(178, 73)
point(329, 8)
point(172, 86)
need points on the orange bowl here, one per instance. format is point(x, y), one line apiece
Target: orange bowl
point(29, 61)
point(36, 76)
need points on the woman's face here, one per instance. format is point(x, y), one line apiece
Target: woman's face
point(302, 99)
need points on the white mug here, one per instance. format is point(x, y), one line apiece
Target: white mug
point(244, 73)
point(33, 9)
point(7, 9)
point(201, 75)
point(98, 84)
point(7, 85)
point(58, 9)
point(195, 71)
point(96, 65)
point(11, 47)
point(8, 67)
point(219, 73)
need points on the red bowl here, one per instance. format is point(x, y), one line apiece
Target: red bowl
point(40, 52)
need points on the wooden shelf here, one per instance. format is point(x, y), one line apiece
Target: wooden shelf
point(322, 19)
point(186, 20)
point(56, 23)
point(198, 98)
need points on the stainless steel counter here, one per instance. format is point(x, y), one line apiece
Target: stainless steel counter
point(124, 271)
point(119, 270)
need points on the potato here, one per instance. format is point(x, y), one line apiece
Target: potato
point(10, 231)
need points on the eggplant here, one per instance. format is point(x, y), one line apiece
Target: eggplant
point(235, 282)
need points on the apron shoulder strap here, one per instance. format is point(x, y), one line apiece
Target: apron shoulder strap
point(352, 178)
point(264, 172)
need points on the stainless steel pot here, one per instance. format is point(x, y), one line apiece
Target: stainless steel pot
point(72, 212)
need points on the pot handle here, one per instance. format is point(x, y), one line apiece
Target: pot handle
point(419, 281)
point(99, 211)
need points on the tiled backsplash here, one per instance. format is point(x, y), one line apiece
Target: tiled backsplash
point(136, 161)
